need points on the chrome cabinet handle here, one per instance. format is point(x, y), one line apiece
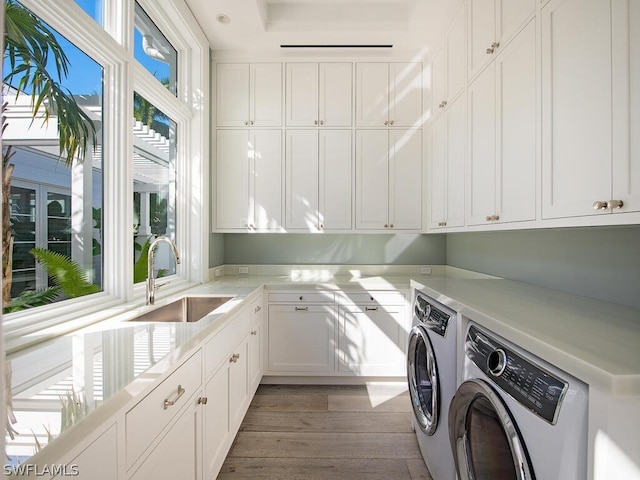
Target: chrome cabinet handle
point(492, 218)
point(234, 358)
point(202, 400)
point(315, 122)
point(257, 309)
point(393, 121)
point(493, 48)
point(302, 309)
point(168, 403)
point(254, 332)
point(251, 122)
point(386, 122)
point(321, 122)
point(370, 309)
point(442, 224)
point(246, 122)
point(615, 204)
point(598, 205)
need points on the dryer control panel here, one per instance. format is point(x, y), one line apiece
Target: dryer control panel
point(433, 318)
point(531, 385)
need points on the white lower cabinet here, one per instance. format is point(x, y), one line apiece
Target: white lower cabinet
point(371, 339)
point(216, 422)
point(337, 333)
point(98, 461)
point(301, 338)
point(178, 452)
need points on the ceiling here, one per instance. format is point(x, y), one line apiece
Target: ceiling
point(413, 27)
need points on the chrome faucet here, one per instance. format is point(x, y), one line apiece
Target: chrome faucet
point(151, 281)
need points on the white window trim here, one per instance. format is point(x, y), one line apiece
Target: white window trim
point(113, 49)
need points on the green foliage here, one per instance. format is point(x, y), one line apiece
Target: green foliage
point(66, 273)
point(31, 298)
point(141, 265)
point(29, 47)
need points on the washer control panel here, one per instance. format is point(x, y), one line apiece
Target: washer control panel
point(432, 317)
point(532, 386)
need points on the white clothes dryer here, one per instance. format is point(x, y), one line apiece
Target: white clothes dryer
point(431, 374)
point(515, 416)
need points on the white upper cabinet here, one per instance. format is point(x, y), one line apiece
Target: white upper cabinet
point(577, 107)
point(389, 94)
point(501, 180)
point(249, 94)
point(318, 94)
point(492, 23)
point(318, 180)
point(388, 180)
point(446, 167)
point(449, 67)
point(249, 179)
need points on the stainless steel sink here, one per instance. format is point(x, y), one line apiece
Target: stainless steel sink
point(186, 309)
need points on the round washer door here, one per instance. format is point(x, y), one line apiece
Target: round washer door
point(422, 376)
point(485, 440)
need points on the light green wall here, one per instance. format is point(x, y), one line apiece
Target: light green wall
point(598, 262)
point(327, 249)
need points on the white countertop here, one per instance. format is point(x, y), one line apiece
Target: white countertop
point(595, 341)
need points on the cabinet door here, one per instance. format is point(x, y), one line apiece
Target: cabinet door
point(335, 94)
point(301, 338)
point(265, 151)
point(177, 454)
point(232, 94)
point(439, 80)
point(576, 106)
point(238, 396)
point(371, 340)
point(405, 94)
point(254, 361)
point(437, 173)
point(516, 105)
point(405, 179)
point(372, 179)
point(456, 158)
point(626, 104)
point(372, 94)
point(481, 173)
point(482, 34)
point(302, 180)
point(510, 16)
point(99, 461)
point(456, 56)
point(232, 171)
point(302, 94)
point(216, 421)
point(265, 97)
point(335, 186)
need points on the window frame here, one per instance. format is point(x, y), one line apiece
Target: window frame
point(111, 46)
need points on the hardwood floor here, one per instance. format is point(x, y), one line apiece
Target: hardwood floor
point(327, 432)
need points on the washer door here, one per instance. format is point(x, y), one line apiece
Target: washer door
point(485, 440)
point(422, 376)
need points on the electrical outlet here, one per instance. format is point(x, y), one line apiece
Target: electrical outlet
point(425, 270)
point(243, 270)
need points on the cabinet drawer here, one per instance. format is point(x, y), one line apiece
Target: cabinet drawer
point(302, 297)
point(221, 345)
point(372, 298)
point(152, 414)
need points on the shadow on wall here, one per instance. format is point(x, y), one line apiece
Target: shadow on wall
point(334, 249)
point(597, 262)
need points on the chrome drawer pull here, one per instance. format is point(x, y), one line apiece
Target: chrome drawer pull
point(302, 309)
point(370, 309)
point(168, 403)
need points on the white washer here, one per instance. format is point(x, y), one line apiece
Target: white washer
point(515, 416)
point(431, 374)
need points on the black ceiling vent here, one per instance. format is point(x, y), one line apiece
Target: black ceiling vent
point(336, 46)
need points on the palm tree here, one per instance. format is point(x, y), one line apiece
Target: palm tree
point(28, 46)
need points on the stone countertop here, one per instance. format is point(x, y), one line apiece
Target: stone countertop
point(595, 341)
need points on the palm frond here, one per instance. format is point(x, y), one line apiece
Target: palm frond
point(32, 298)
point(66, 273)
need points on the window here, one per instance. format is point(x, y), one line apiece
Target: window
point(154, 186)
point(53, 198)
point(153, 50)
point(93, 8)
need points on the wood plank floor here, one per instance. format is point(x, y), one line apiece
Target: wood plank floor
point(327, 432)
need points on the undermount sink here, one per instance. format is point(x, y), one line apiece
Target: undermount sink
point(185, 309)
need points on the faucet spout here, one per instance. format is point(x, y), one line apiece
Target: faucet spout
point(151, 281)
